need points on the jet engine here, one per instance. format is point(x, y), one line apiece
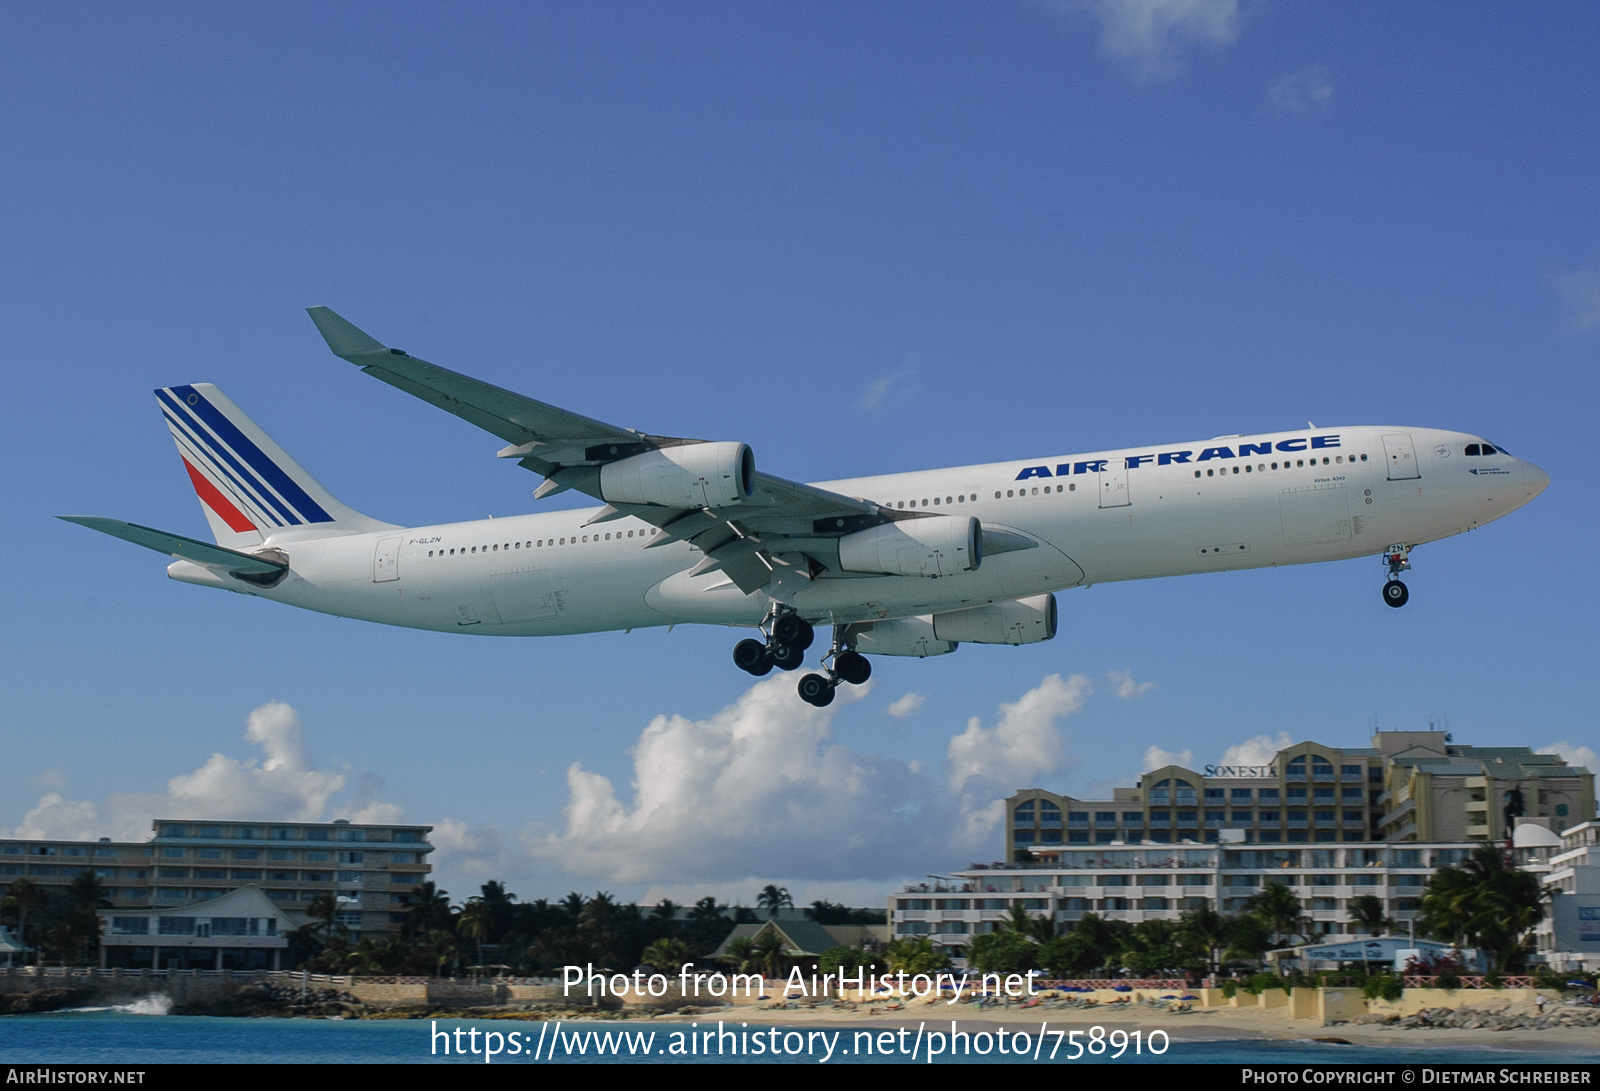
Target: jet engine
point(911, 636)
point(1023, 621)
point(694, 475)
point(938, 546)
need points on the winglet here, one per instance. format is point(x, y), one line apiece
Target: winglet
point(344, 339)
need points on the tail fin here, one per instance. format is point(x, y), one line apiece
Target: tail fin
point(249, 487)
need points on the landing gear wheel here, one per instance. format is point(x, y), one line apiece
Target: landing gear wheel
point(751, 656)
point(786, 657)
point(794, 630)
point(1396, 594)
point(852, 667)
point(816, 690)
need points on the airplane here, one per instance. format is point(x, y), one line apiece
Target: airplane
point(689, 531)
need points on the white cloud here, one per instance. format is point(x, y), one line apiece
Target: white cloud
point(280, 784)
point(886, 390)
point(1123, 685)
point(715, 802)
point(905, 706)
point(1153, 36)
point(1260, 750)
point(1581, 293)
point(1155, 758)
point(1572, 754)
point(1025, 742)
point(1296, 92)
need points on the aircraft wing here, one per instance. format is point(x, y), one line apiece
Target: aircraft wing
point(783, 524)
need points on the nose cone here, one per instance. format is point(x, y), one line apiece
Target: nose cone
point(1534, 479)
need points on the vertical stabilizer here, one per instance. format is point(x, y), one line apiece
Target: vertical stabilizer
point(249, 487)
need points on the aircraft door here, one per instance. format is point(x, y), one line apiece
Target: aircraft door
point(386, 561)
point(1401, 456)
point(1114, 487)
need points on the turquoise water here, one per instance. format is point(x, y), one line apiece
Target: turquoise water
point(121, 1037)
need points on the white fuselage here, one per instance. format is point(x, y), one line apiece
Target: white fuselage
point(1226, 503)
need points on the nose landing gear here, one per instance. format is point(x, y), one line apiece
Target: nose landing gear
point(1398, 559)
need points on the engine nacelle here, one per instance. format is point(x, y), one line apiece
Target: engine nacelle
point(694, 475)
point(939, 546)
point(1024, 621)
point(912, 636)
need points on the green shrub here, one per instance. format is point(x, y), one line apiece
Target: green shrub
point(1256, 984)
point(1447, 980)
point(1381, 987)
point(1230, 989)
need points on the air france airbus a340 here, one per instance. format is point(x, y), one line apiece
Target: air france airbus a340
point(904, 564)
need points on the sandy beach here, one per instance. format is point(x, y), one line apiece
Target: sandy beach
point(1194, 1025)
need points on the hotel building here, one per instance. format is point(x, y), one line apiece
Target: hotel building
point(373, 869)
point(1155, 882)
point(1408, 786)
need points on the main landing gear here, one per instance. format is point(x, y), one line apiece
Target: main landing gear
point(788, 637)
point(785, 647)
point(1398, 558)
point(849, 666)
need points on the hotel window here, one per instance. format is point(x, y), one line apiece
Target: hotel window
point(1241, 795)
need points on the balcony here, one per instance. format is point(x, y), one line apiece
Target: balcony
point(1398, 813)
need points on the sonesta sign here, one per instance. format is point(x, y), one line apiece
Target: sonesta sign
point(1241, 771)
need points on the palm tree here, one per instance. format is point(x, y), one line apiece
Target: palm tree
point(1485, 901)
point(767, 950)
point(667, 954)
point(475, 922)
point(1204, 929)
point(740, 954)
point(25, 896)
point(323, 919)
point(89, 895)
point(1368, 911)
point(430, 909)
point(773, 898)
point(1278, 909)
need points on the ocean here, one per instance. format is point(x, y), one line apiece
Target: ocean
point(142, 1034)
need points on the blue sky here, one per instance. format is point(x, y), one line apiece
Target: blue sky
point(862, 238)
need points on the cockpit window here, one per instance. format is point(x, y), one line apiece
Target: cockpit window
point(1473, 449)
point(1488, 450)
point(1485, 449)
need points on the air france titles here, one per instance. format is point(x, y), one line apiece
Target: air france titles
point(1172, 458)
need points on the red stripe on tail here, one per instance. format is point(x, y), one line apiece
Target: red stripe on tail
point(213, 499)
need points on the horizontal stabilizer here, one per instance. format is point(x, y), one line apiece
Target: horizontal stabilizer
point(176, 545)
